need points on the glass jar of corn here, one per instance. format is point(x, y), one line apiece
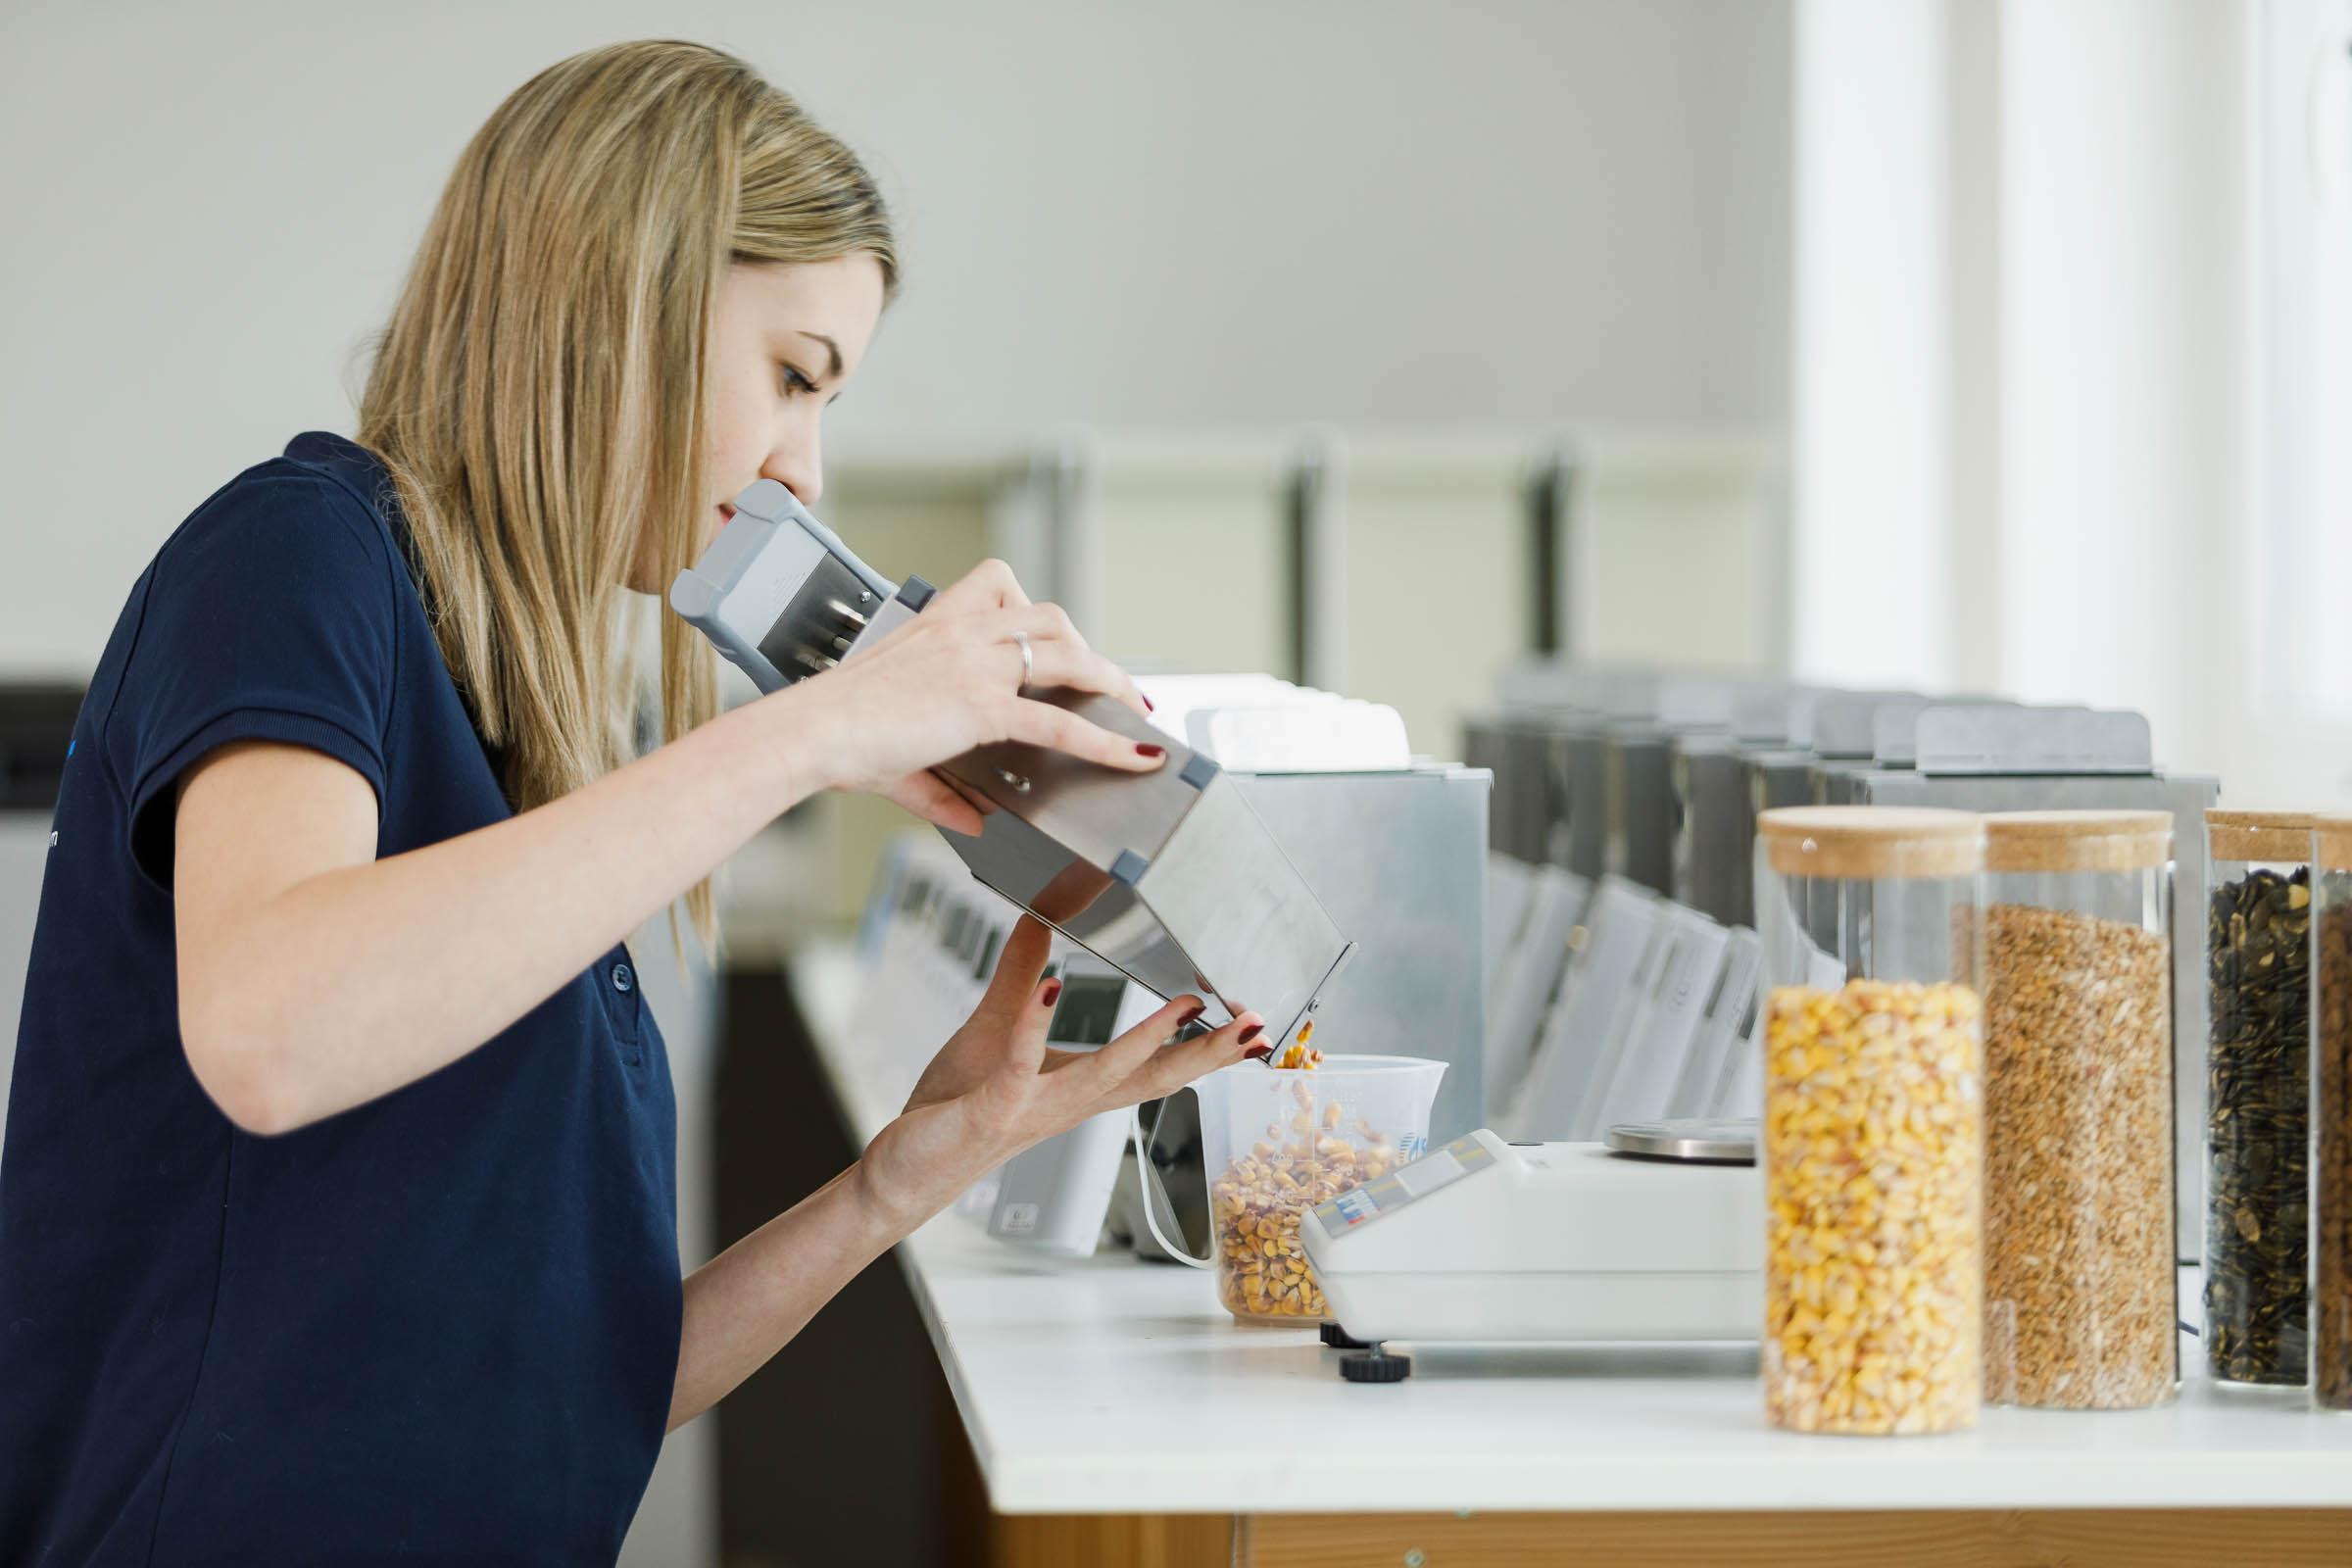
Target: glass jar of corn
point(1873, 1140)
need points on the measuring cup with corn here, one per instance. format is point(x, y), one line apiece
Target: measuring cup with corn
point(1276, 1140)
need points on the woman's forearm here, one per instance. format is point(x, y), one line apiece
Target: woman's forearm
point(355, 981)
point(994, 1090)
point(744, 1304)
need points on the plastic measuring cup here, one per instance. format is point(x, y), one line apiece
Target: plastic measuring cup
point(1276, 1140)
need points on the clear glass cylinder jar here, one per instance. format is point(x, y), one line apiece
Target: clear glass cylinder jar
point(2081, 1286)
point(1872, 1136)
point(2258, 1098)
point(2330, 1319)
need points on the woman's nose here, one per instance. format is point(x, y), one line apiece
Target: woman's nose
point(801, 471)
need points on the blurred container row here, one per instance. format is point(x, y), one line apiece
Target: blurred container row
point(1654, 777)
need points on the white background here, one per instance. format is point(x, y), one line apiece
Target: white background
point(1152, 217)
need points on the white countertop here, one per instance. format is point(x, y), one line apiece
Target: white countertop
point(1113, 1386)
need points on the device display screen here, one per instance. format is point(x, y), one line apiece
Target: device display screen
point(1087, 1010)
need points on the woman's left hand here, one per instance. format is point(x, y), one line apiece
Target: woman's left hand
point(996, 1088)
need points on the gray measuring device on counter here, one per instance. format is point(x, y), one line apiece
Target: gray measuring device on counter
point(1167, 876)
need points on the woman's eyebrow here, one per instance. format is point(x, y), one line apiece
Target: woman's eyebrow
point(832, 351)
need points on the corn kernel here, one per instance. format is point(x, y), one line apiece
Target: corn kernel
point(1872, 1142)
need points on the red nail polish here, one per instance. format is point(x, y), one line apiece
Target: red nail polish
point(1053, 993)
point(1260, 1053)
point(1148, 707)
point(1191, 1012)
point(1253, 1032)
point(1146, 748)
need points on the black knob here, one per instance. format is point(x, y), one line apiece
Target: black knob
point(1371, 1366)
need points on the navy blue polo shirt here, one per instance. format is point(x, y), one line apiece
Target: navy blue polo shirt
point(442, 1325)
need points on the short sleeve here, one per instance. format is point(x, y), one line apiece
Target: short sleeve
point(269, 616)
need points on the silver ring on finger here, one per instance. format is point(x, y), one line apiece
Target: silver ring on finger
point(1021, 640)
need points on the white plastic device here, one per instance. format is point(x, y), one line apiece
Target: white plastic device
point(1725, 1031)
point(1483, 1240)
point(1052, 1199)
point(1255, 723)
point(1527, 978)
point(1639, 1073)
point(1596, 1004)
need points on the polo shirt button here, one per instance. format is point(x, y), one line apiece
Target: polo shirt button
point(623, 980)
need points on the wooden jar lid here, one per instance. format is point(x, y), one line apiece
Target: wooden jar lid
point(2076, 840)
point(2332, 839)
point(2258, 835)
point(1872, 841)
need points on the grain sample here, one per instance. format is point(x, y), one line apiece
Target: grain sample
point(2078, 1258)
point(1874, 1170)
point(2256, 1119)
point(2332, 1191)
point(1256, 1203)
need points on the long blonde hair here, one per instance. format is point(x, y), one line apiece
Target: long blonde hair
point(538, 396)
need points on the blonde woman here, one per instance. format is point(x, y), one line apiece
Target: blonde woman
point(337, 1218)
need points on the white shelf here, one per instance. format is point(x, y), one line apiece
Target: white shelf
point(1113, 1386)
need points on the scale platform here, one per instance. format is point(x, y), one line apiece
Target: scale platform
point(1657, 1235)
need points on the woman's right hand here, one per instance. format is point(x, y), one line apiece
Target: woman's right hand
point(951, 679)
point(997, 1088)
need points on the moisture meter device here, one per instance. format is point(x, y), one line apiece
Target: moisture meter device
point(1167, 874)
point(782, 598)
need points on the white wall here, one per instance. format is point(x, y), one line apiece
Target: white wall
point(1136, 217)
point(1870, 464)
point(2068, 286)
point(2122, 457)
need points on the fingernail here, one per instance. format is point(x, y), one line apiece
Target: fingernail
point(1053, 993)
point(1146, 748)
point(1260, 1053)
point(1191, 1012)
point(1253, 1032)
point(1148, 707)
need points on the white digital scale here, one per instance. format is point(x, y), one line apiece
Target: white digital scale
point(1655, 1234)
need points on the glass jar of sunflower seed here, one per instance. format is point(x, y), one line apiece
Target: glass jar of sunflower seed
point(2080, 1282)
point(2258, 1098)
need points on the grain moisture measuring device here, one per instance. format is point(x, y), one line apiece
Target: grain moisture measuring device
point(1168, 876)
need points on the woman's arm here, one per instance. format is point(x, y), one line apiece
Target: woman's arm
point(996, 1090)
point(314, 977)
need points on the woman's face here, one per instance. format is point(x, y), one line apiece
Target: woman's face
point(788, 334)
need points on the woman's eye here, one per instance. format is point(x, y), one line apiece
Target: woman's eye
point(790, 378)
